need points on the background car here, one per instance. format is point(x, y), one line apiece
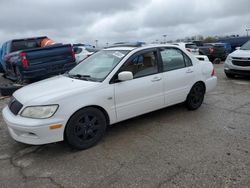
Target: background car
point(191, 47)
point(212, 50)
point(82, 52)
point(24, 59)
point(1, 67)
point(238, 62)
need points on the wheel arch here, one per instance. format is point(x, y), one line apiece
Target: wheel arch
point(202, 82)
point(105, 113)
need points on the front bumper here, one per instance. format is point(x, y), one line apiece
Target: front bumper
point(230, 68)
point(237, 72)
point(32, 131)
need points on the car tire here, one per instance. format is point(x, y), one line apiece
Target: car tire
point(85, 128)
point(19, 77)
point(230, 75)
point(217, 61)
point(196, 96)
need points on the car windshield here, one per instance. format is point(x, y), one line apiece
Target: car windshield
point(246, 46)
point(98, 66)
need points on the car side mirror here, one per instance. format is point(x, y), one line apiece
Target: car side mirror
point(237, 48)
point(125, 76)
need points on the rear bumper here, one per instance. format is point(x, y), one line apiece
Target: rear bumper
point(211, 83)
point(37, 72)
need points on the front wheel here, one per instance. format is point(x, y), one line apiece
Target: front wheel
point(85, 128)
point(195, 97)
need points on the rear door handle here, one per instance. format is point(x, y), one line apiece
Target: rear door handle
point(189, 71)
point(156, 79)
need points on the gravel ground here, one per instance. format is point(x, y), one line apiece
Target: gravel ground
point(172, 147)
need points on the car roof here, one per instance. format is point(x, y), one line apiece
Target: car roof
point(127, 48)
point(148, 46)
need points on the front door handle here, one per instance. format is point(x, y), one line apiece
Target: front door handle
point(156, 79)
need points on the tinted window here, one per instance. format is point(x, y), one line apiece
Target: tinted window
point(142, 65)
point(24, 44)
point(172, 59)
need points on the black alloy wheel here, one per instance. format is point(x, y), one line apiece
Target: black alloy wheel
point(196, 96)
point(85, 128)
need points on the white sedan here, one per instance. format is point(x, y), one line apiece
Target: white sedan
point(112, 85)
point(191, 47)
point(81, 53)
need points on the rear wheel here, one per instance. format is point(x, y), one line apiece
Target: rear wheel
point(217, 61)
point(19, 76)
point(85, 128)
point(196, 96)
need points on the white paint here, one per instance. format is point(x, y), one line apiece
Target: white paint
point(121, 100)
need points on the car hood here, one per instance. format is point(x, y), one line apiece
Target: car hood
point(241, 53)
point(51, 89)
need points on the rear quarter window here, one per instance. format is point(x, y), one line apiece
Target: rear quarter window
point(172, 59)
point(187, 60)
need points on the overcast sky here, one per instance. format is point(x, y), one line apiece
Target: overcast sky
point(121, 20)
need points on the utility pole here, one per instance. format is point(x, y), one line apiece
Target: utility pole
point(96, 43)
point(247, 29)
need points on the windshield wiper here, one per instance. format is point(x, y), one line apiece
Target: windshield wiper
point(79, 76)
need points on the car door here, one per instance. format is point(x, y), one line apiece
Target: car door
point(4, 48)
point(144, 93)
point(178, 75)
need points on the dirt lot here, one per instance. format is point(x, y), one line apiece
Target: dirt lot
point(172, 147)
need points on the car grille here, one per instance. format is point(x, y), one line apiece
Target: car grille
point(243, 62)
point(14, 106)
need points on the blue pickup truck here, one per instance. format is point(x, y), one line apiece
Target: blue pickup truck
point(212, 50)
point(25, 59)
point(1, 68)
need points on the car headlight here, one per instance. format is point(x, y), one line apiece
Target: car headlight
point(39, 112)
point(229, 58)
